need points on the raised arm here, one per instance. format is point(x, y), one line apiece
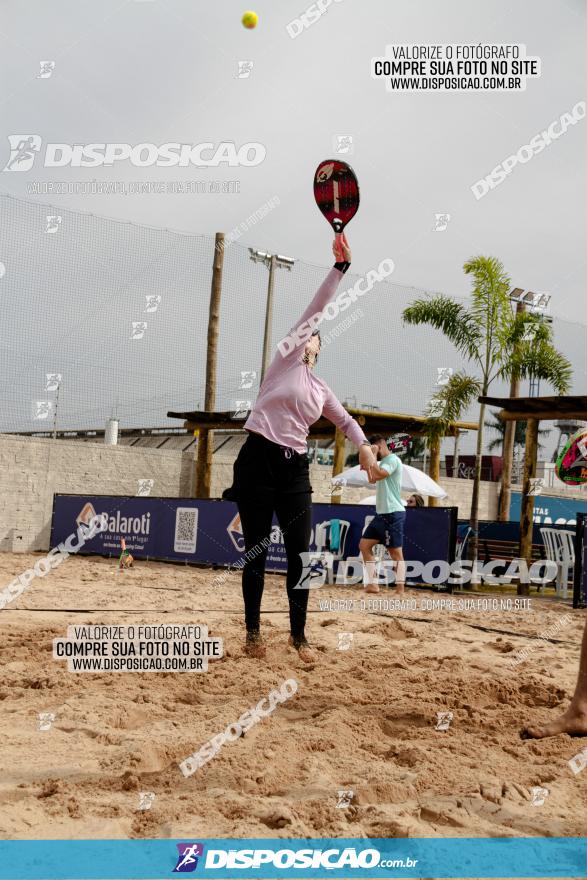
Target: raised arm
point(290, 348)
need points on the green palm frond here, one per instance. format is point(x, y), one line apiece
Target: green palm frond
point(490, 304)
point(448, 404)
point(519, 434)
point(451, 318)
point(539, 359)
point(528, 327)
point(496, 443)
point(415, 449)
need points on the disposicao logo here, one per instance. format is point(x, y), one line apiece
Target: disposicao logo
point(24, 149)
point(187, 860)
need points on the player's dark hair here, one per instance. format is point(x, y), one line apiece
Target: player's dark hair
point(317, 333)
point(376, 438)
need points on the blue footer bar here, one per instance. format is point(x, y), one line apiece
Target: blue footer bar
point(534, 857)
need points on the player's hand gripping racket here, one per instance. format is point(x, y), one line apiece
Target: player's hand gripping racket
point(336, 190)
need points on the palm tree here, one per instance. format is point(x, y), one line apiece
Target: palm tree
point(445, 407)
point(495, 340)
point(519, 435)
point(519, 443)
point(415, 450)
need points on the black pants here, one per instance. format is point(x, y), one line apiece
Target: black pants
point(272, 479)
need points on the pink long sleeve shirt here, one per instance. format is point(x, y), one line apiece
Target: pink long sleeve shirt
point(291, 397)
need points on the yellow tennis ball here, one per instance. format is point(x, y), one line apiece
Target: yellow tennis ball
point(250, 19)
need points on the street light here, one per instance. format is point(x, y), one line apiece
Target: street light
point(271, 261)
point(538, 304)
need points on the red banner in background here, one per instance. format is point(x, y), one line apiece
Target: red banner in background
point(491, 467)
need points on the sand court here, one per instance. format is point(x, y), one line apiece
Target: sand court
point(358, 750)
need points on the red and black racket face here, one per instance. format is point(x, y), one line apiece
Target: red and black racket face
point(399, 443)
point(336, 191)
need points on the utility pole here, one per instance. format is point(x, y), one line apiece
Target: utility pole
point(268, 318)
point(434, 469)
point(527, 509)
point(271, 261)
point(455, 457)
point(55, 413)
point(509, 434)
point(205, 437)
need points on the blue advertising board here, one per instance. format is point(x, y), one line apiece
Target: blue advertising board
point(549, 510)
point(209, 531)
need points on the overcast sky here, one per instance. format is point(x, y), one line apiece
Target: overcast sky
point(159, 71)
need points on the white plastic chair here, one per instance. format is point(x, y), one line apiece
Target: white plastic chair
point(382, 558)
point(342, 572)
point(352, 562)
point(560, 549)
point(379, 552)
point(323, 551)
point(456, 577)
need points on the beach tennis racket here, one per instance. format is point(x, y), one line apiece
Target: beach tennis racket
point(399, 443)
point(336, 190)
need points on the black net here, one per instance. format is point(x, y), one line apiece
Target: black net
point(120, 312)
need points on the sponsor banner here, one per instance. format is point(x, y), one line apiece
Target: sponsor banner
point(270, 858)
point(550, 511)
point(506, 533)
point(209, 531)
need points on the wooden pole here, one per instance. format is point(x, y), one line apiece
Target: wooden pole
point(474, 515)
point(338, 462)
point(455, 458)
point(527, 508)
point(191, 491)
point(268, 319)
point(434, 468)
point(202, 465)
point(508, 451)
point(206, 437)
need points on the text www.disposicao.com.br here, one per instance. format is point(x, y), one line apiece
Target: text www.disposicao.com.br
point(135, 664)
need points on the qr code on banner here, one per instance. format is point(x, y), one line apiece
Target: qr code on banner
point(186, 529)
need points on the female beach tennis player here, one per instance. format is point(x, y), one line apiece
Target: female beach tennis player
point(271, 472)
